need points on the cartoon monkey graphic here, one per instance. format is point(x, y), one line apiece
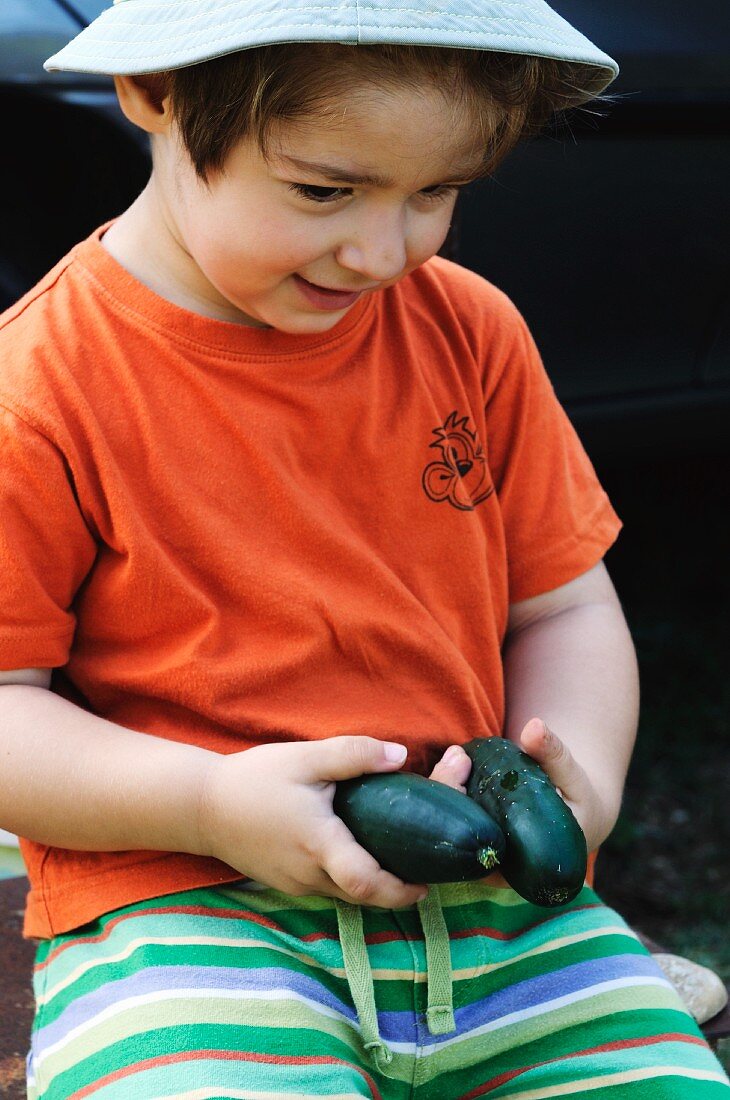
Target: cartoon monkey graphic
point(461, 477)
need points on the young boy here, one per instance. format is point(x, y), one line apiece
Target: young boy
point(286, 499)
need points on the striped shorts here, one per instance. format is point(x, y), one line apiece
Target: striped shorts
point(241, 991)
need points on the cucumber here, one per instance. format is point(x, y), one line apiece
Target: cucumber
point(545, 859)
point(418, 829)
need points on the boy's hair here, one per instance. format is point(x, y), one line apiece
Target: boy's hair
point(217, 103)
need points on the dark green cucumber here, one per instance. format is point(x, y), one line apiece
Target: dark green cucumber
point(545, 858)
point(418, 829)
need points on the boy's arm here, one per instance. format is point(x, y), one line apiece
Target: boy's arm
point(73, 780)
point(572, 694)
point(70, 779)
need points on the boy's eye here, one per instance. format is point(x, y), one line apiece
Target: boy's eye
point(318, 194)
point(332, 194)
point(439, 191)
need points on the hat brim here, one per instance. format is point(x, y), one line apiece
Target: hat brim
point(144, 36)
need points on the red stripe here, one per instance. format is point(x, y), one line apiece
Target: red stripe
point(194, 910)
point(223, 1055)
point(483, 929)
point(498, 934)
point(618, 1044)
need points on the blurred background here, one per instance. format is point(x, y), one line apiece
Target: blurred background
point(611, 234)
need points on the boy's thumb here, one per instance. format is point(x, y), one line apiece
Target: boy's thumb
point(345, 757)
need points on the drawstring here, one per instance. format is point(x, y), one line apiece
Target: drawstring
point(440, 1009)
point(360, 979)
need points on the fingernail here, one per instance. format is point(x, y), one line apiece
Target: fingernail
point(395, 754)
point(450, 755)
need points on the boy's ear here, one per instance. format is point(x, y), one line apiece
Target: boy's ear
point(145, 101)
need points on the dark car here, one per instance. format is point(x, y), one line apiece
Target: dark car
point(69, 158)
point(611, 233)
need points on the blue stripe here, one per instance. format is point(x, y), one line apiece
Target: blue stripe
point(159, 978)
point(533, 992)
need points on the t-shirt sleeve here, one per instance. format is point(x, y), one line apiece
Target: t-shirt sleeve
point(46, 549)
point(558, 521)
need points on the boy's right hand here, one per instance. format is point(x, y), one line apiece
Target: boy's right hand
point(268, 813)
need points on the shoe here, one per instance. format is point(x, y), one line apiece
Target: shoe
point(702, 990)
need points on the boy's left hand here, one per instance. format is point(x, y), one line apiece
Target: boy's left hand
point(555, 758)
point(572, 780)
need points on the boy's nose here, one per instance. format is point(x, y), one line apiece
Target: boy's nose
point(378, 250)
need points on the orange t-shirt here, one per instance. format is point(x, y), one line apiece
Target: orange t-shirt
point(227, 535)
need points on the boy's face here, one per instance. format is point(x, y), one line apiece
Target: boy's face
point(253, 246)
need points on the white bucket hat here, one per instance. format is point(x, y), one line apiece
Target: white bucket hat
point(144, 36)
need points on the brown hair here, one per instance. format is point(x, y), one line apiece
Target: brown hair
point(216, 103)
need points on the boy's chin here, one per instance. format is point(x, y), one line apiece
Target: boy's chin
point(307, 324)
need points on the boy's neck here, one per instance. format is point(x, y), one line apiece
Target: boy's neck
point(143, 242)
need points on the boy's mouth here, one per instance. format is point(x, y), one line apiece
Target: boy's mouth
point(324, 297)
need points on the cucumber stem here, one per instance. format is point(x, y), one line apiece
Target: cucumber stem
point(488, 858)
